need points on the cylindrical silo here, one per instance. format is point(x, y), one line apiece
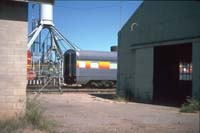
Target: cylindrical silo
point(46, 14)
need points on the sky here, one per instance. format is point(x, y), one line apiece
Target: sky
point(91, 25)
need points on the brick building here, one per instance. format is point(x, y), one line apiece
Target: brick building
point(13, 52)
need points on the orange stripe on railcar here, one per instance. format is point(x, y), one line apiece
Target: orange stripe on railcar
point(87, 64)
point(104, 65)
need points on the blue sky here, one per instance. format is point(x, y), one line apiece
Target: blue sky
point(91, 25)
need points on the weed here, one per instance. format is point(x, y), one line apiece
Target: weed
point(34, 118)
point(190, 106)
point(35, 115)
point(120, 99)
point(10, 126)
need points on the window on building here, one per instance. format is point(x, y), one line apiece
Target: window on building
point(185, 70)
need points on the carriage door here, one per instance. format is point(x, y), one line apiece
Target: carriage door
point(70, 67)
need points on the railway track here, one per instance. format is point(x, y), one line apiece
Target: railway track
point(68, 89)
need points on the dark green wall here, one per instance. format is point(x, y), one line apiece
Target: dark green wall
point(196, 70)
point(162, 21)
point(154, 22)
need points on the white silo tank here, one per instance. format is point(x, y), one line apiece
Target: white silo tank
point(46, 14)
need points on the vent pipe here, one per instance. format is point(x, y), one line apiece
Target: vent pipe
point(113, 48)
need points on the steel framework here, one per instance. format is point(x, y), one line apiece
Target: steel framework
point(53, 57)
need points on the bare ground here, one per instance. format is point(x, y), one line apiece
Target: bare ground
point(83, 113)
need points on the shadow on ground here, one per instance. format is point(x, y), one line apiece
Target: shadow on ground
point(105, 96)
point(162, 103)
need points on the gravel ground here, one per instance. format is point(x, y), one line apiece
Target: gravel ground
point(83, 113)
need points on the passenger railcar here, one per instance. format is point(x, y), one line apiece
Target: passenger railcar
point(92, 68)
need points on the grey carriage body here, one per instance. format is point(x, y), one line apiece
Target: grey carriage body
point(83, 74)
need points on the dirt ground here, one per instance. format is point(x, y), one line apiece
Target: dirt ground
point(83, 113)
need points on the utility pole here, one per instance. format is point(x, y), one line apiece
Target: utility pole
point(120, 14)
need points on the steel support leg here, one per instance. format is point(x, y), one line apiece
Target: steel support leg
point(31, 34)
point(45, 85)
point(35, 35)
